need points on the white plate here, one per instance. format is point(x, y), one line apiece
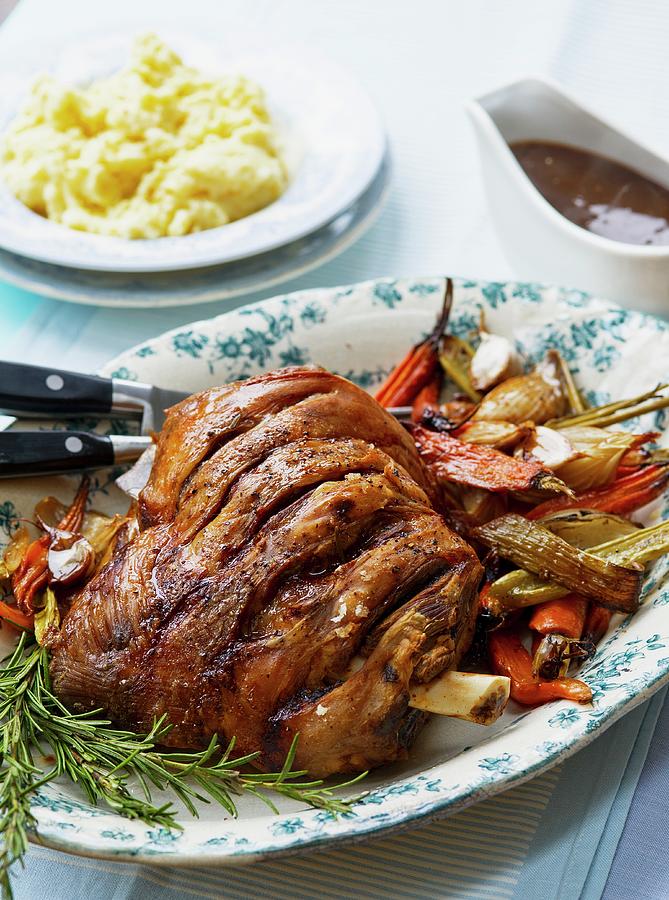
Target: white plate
point(161, 289)
point(361, 331)
point(333, 136)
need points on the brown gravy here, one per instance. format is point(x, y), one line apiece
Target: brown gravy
point(596, 193)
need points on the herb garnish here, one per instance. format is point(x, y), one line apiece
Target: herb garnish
point(101, 758)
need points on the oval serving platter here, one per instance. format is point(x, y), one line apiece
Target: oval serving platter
point(360, 331)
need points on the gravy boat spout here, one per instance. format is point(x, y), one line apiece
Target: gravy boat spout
point(540, 243)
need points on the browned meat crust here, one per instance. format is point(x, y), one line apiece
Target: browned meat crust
point(286, 529)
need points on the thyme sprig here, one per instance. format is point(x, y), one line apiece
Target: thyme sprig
point(102, 759)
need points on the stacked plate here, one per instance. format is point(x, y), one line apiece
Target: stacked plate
point(335, 150)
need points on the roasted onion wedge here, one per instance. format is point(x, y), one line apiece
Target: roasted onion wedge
point(500, 435)
point(538, 396)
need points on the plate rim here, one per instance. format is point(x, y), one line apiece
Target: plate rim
point(350, 236)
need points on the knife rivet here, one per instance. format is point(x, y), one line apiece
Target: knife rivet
point(74, 444)
point(55, 382)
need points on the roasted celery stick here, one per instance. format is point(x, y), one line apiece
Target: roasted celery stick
point(607, 580)
point(575, 400)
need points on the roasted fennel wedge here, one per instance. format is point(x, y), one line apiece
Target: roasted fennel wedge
point(614, 583)
point(525, 588)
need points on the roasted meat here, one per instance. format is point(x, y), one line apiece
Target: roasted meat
point(290, 575)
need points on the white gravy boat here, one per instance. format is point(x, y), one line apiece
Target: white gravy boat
point(540, 243)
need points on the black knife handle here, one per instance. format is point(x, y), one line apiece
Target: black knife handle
point(48, 452)
point(34, 390)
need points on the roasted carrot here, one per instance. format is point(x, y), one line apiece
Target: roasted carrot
point(476, 465)
point(420, 364)
point(32, 575)
point(597, 622)
point(622, 496)
point(536, 640)
point(427, 399)
point(14, 615)
point(624, 471)
point(509, 657)
point(564, 616)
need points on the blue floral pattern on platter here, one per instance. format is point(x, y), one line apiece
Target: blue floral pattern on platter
point(360, 331)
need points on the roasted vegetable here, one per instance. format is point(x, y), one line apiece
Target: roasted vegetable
point(32, 573)
point(47, 619)
point(521, 588)
point(427, 400)
point(537, 396)
point(483, 467)
point(555, 653)
point(597, 622)
point(624, 495)
point(14, 616)
point(495, 360)
point(481, 506)
point(500, 435)
point(597, 455)
point(455, 356)
point(586, 528)
point(547, 445)
point(419, 366)
point(613, 413)
point(549, 557)
point(16, 549)
point(565, 616)
point(509, 657)
point(576, 403)
point(70, 558)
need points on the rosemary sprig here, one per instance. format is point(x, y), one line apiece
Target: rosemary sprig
point(102, 759)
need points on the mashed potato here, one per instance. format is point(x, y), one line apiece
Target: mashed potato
point(157, 149)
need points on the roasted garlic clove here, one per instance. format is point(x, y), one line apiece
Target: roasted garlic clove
point(550, 447)
point(495, 360)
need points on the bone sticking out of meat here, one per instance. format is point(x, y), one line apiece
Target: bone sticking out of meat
point(471, 696)
point(286, 527)
point(463, 695)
